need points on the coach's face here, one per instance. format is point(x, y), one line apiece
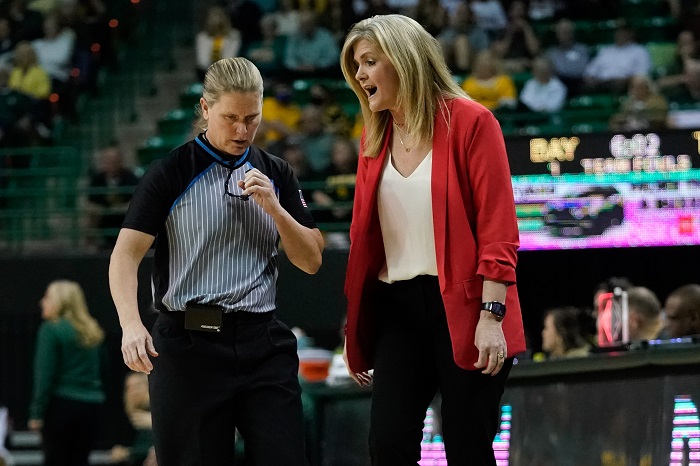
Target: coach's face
point(233, 120)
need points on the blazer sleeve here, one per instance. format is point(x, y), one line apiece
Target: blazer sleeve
point(358, 203)
point(496, 225)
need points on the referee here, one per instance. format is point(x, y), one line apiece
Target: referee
point(218, 358)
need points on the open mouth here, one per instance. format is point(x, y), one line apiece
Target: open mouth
point(371, 90)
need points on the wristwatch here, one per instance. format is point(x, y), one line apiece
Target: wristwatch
point(495, 308)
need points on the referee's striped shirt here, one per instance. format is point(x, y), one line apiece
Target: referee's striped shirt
point(212, 248)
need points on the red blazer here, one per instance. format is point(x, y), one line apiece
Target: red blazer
point(476, 233)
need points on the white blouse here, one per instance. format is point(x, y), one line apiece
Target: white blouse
point(406, 218)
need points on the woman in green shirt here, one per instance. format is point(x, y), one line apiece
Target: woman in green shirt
point(67, 384)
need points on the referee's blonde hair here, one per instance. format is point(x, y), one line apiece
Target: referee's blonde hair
point(228, 75)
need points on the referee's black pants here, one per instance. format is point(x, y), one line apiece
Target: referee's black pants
point(205, 385)
point(413, 360)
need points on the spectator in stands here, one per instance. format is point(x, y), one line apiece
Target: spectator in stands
point(287, 17)
point(544, 10)
point(568, 57)
point(28, 76)
point(490, 16)
point(339, 18)
point(314, 138)
point(268, 52)
point(643, 108)
point(682, 311)
point(378, 7)
point(543, 92)
point(614, 65)
point(431, 15)
point(294, 155)
point(281, 115)
point(216, 41)
point(25, 24)
point(112, 186)
point(687, 14)
point(55, 54)
point(7, 44)
point(335, 121)
point(674, 84)
point(461, 40)
point(519, 44)
point(340, 182)
point(245, 16)
point(409, 235)
point(16, 121)
point(645, 322)
point(30, 79)
point(561, 334)
point(488, 85)
point(137, 405)
point(68, 392)
point(689, 91)
point(312, 52)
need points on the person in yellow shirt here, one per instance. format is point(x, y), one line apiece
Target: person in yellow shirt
point(281, 115)
point(27, 76)
point(488, 86)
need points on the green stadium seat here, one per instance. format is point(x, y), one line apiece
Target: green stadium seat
point(175, 123)
point(156, 147)
point(189, 97)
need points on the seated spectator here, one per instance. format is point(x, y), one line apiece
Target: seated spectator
point(543, 10)
point(431, 14)
point(113, 184)
point(25, 24)
point(287, 18)
point(16, 123)
point(339, 18)
point(280, 115)
point(519, 44)
point(569, 58)
point(689, 91)
point(643, 108)
point(268, 52)
point(28, 76)
point(490, 16)
point(340, 183)
point(644, 318)
point(7, 45)
point(313, 51)
point(245, 16)
point(55, 54)
point(687, 14)
point(677, 84)
point(313, 137)
point(543, 92)
point(682, 311)
point(138, 408)
point(335, 120)
point(216, 41)
point(561, 334)
point(488, 85)
point(616, 64)
point(462, 39)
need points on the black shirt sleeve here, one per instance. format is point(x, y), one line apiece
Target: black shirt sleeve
point(291, 197)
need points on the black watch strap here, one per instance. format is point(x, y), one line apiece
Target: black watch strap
point(495, 308)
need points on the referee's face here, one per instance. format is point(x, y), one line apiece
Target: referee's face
point(233, 120)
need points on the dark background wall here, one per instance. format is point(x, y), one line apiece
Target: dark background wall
point(314, 303)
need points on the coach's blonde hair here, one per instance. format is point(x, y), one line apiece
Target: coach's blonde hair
point(425, 82)
point(228, 75)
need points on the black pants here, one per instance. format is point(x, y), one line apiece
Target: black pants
point(205, 385)
point(414, 360)
point(69, 432)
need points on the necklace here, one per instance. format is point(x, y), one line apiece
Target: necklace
point(407, 149)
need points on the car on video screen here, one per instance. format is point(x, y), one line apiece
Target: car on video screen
point(589, 213)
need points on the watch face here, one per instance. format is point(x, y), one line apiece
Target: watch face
point(496, 308)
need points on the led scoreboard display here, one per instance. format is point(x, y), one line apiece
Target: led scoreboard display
point(607, 190)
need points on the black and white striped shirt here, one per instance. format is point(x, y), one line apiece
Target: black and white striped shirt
point(212, 248)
